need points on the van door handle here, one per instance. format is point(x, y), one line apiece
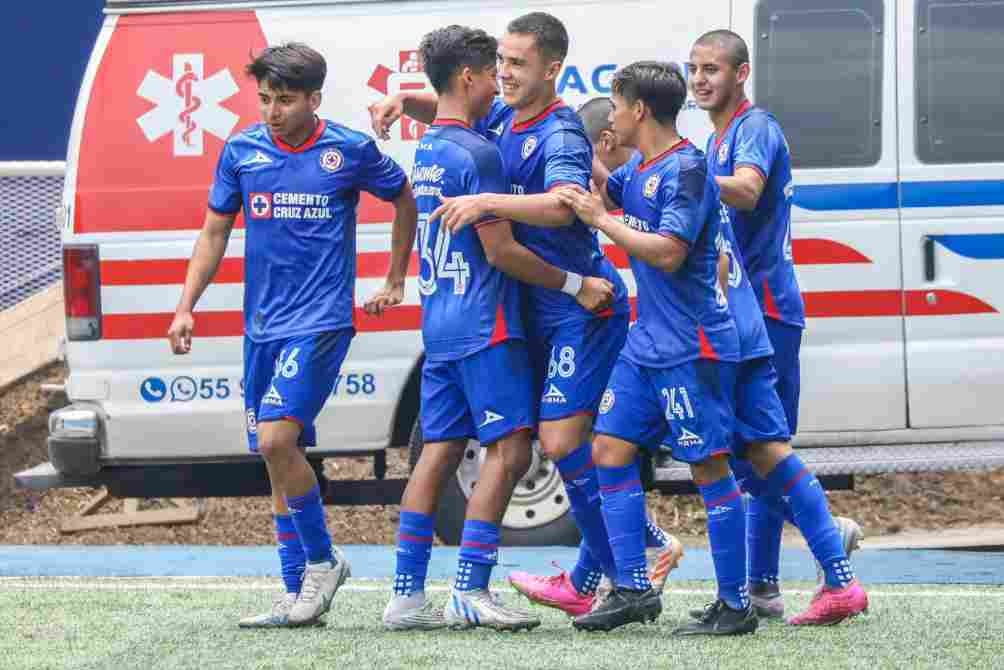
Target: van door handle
point(929, 259)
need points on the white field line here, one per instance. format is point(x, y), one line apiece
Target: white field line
point(373, 586)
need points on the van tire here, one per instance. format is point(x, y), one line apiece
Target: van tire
point(453, 505)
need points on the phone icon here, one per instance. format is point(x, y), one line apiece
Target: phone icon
point(153, 389)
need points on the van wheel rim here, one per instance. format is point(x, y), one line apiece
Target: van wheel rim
point(539, 498)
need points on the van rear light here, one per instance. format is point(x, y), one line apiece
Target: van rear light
point(82, 292)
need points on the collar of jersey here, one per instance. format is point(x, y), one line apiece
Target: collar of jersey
point(673, 149)
point(740, 110)
point(523, 126)
point(450, 122)
point(311, 141)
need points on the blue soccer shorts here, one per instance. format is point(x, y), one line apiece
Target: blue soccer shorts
point(687, 408)
point(572, 363)
point(291, 378)
point(487, 395)
point(787, 342)
point(760, 416)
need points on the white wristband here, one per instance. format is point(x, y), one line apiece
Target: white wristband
point(573, 284)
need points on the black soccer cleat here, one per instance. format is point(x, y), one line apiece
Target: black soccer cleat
point(765, 598)
point(720, 619)
point(622, 606)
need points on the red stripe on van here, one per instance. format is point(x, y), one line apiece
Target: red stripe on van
point(230, 323)
point(814, 251)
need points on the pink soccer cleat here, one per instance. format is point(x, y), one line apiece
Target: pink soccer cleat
point(830, 606)
point(552, 591)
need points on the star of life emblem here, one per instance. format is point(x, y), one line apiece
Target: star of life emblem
point(331, 160)
point(528, 146)
point(187, 105)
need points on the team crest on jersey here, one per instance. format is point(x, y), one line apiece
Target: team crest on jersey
point(723, 153)
point(607, 402)
point(651, 186)
point(252, 423)
point(529, 145)
point(261, 205)
point(331, 160)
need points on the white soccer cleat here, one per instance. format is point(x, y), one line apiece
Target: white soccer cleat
point(469, 609)
point(414, 612)
point(320, 583)
point(277, 617)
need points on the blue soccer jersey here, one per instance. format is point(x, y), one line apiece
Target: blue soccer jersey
point(467, 305)
point(300, 212)
point(540, 154)
point(684, 315)
point(754, 139)
point(743, 303)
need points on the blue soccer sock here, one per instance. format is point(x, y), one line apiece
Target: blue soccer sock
point(581, 484)
point(624, 514)
point(655, 537)
point(727, 536)
point(479, 547)
point(587, 573)
point(812, 516)
point(307, 512)
point(414, 549)
point(292, 560)
point(763, 539)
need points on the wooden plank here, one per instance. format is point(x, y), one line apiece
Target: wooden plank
point(130, 505)
point(95, 502)
point(155, 517)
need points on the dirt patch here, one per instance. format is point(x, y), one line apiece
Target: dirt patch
point(881, 503)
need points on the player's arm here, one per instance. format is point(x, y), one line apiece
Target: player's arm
point(503, 252)
point(601, 175)
point(209, 250)
point(539, 209)
point(723, 272)
point(756, 144)
point(665, 252)
point(419, 105)
point(743, 189)
point(402, 241)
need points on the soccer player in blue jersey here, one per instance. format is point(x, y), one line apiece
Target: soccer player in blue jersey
point(543, 147)
point(749, 159)
point(297, 179)
point(674, 380)
point(473, 331)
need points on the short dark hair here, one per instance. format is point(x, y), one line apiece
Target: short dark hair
point(732, 43)
point(446, 51)
point(292, 66)
point(595, 115)
point(548, 32)
point(658, 85)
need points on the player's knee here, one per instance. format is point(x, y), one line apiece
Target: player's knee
point(610, 452)
point(274, 448)
point(710, 470)
point(764, 456)
point(516, 457)
point(557, 443)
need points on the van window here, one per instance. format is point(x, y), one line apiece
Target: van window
point(818, 69)
point(960, 76)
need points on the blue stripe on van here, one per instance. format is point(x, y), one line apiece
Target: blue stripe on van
point(830, 197)
point(981, 246)
point(836, 197)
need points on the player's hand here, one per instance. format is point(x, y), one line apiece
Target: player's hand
point(180, 332)
point(588, 206)
point(390, 295)
point(383, 114)
point(455, 213)
point(596, 294)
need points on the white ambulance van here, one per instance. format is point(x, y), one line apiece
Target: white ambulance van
point(893, 112)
